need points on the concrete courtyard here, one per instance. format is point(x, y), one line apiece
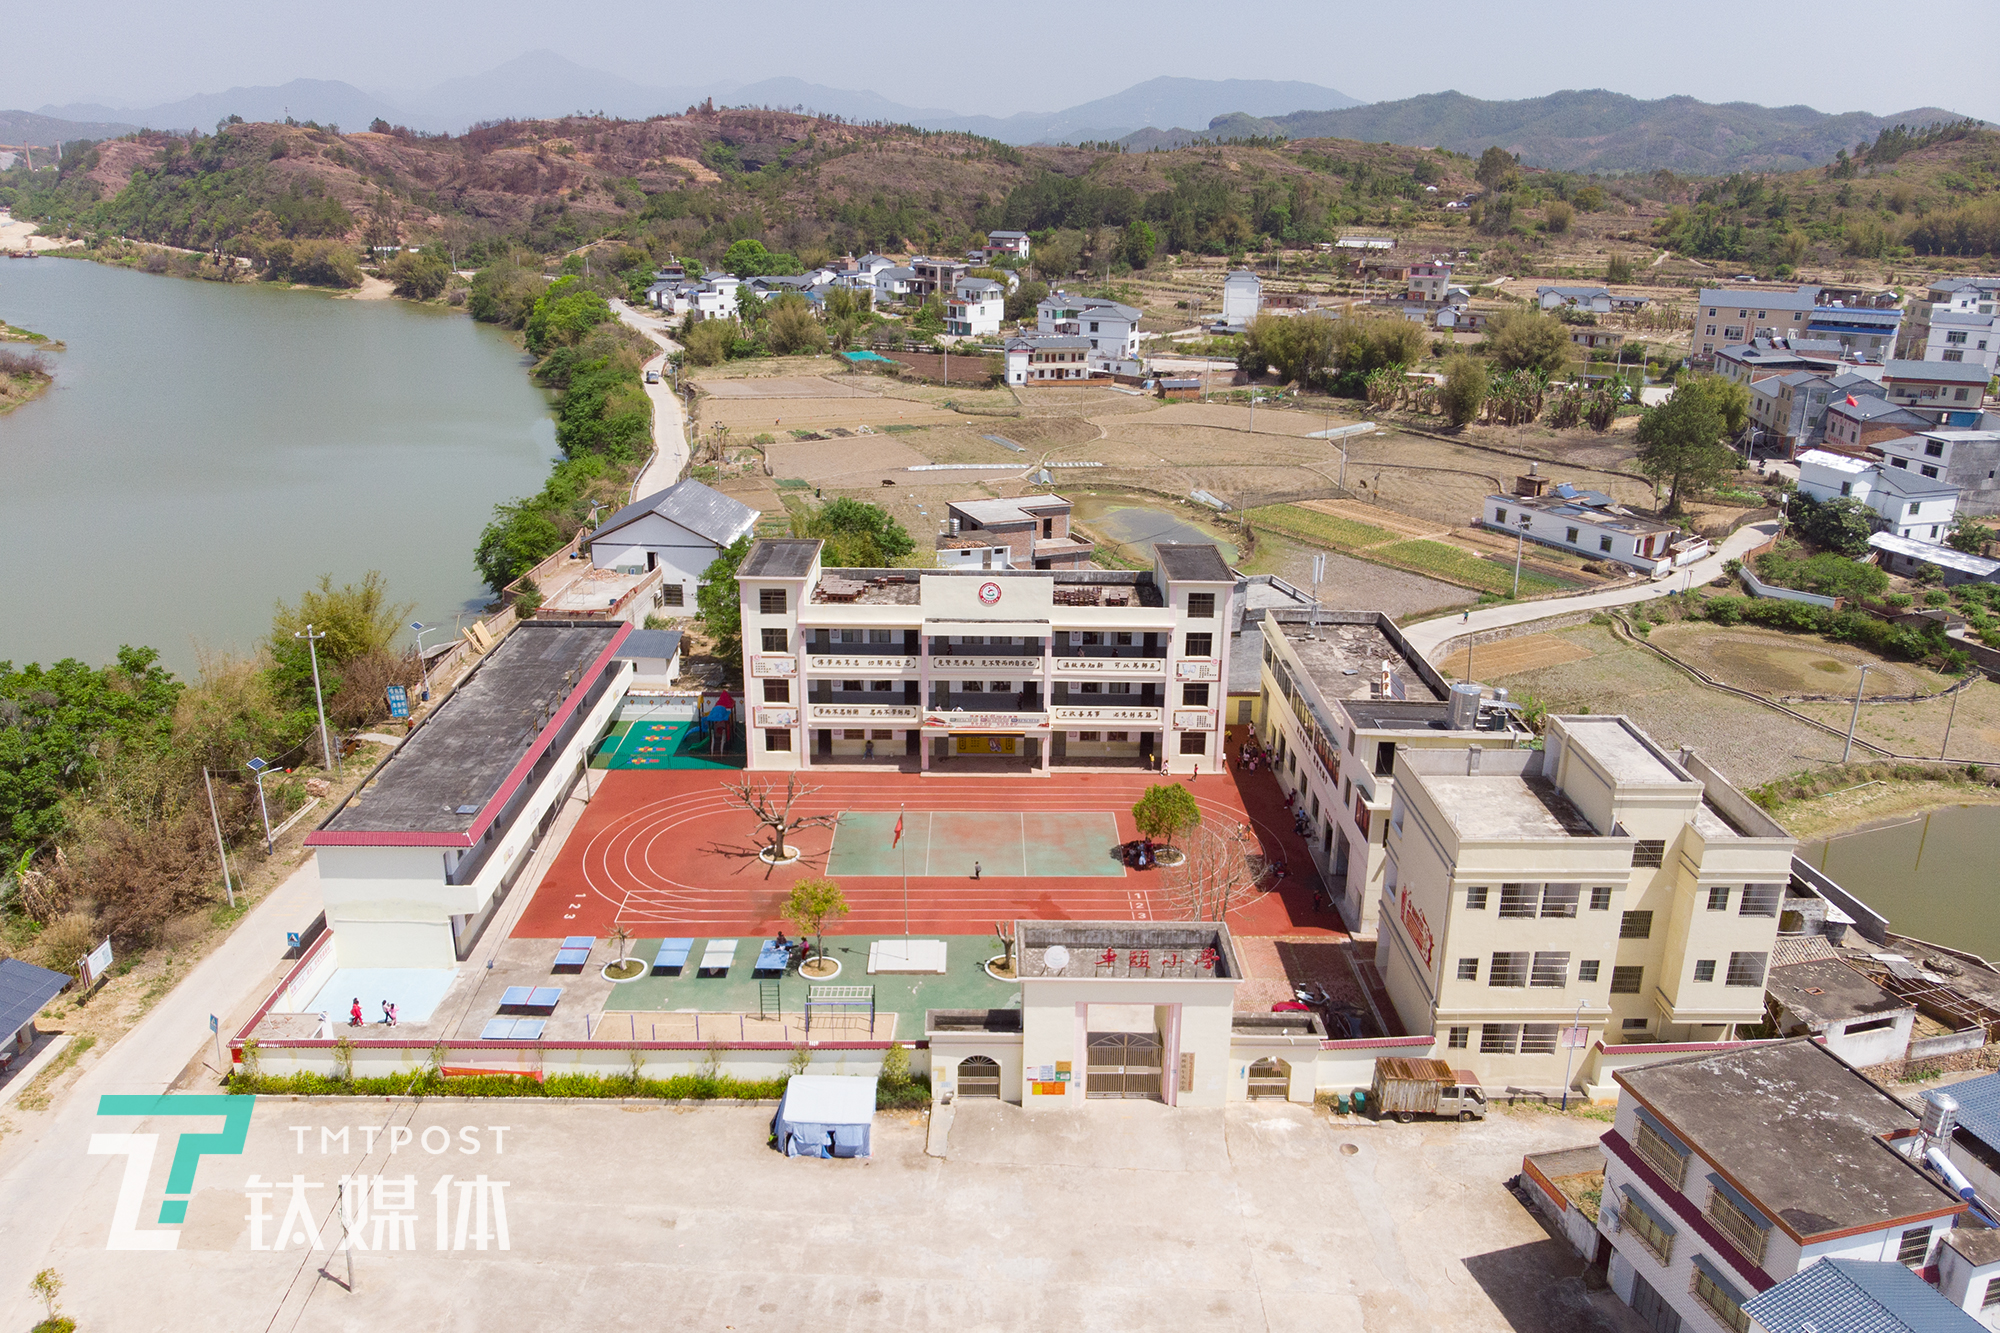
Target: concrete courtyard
point(1126, 1215)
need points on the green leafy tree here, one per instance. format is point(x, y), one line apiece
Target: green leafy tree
point(1527, 340)
point(418, 276)
point(1619, 267)
point(1730, 400)
point(1166, 811)
point(563, 315)
point(503, 293)
point(709, 342)
point(720, 601)
point(357, 618)
point(1498, 169)
point(1968, 534)
point(791, 327)
point(62, 725)
point(749, 259)
point(1557, 216)
point(1590, 198)
point(1464, 389)
point(857, 534)
point(1680, 444)
point(1138, 244)
point(1024, 299)
point(1841, 525)
point(810, 905)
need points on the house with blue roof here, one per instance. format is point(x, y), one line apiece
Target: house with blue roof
point(1856, 1296)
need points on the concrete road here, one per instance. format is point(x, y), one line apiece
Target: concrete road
point(54, 1195)
point(669, 422)
point(1118, 1216)
point(1428, 637)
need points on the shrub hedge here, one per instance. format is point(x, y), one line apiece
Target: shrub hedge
point(910, 1093)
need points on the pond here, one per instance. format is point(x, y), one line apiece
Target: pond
point(208, 449)
point(1933, 874)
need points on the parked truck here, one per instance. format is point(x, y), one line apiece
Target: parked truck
point(1408, 1088)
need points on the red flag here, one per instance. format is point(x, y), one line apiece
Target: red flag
point(899, 831)
point(1851, 402)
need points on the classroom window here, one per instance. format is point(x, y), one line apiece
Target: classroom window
point(881, 734)
point(771, 601)
point(881, 686)
point(1600, 899)
point(777, 691)
point(1704, 969)
point(1090, 735)
point(1508, 969)
point(855, 734)
point(1201, 606)
point(1194, 696)
point(1538, 1038)
point(1519, 900)
point(1718, 898)
point(1200, 645)
point(1499, 1038)
point(1649, 851)
point(1475, 897)
point(1194, 742)
point(1456, 1040)
point(1627, 980)
point(777, 738)
point(1559, 900)
point(1117, 737)
point(1760, 900)
point(1468, 969)
point(1587, 970)
point(1551, 969)
point(1636, 926)
point(1633, 1025)
point(1745, 969)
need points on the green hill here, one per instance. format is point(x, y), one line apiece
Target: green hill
point(1590, 130)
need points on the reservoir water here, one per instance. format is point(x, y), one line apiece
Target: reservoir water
point(1935, 875)
point(208, 449)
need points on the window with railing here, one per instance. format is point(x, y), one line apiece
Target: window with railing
point(1643, 1227)
point(1745, 969)
point(1760, 900)
point(1737, 1226)
point(1649, 852)
point(1661, 1153)
point(1508, 969)
point(1519, 900)
point(1720, 1301)
point(1550, 969)
point(1560, 900)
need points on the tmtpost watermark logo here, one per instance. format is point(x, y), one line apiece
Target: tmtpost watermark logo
point(356, 1211)
point(140, 1149)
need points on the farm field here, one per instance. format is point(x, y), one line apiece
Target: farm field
point(1778, 664)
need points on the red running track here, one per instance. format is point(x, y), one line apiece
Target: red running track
point(666, 853)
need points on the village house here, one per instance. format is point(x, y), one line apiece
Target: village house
point(1427, 280)
point(1905, 502)
point(1031, 532)
point(934, 277)
point(1728, 316)
point(680, 530)
point(1788, 409)
point(1858, 421)
point(1909, 557)
point(1111, 329)
point(1242, 297)
point(1594, 299)
point(1967, 459)
point(1945, 296)
point(1015, 243)
point(1863, 332)
point(1592, 524)
point(1033, 357)
point(975, 308)
point(1946, 393)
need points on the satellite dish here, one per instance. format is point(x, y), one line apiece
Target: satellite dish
point(1056, 959)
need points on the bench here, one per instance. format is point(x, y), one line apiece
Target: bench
point(717, 958)
point(574, 954)
point(771, 958)
point(671, 958)
point(530, 999)
point(513, 1029)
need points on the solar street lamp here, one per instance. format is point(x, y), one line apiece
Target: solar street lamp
point(263, 770)
point(423, 665)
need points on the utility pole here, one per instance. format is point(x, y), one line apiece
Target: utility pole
point(221, 850)
point(1948, 721)
point(319, 699)
point(1520, 541)
point(1855, 720)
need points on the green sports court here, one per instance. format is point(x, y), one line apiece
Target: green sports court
point(1006, 844)
point(663, 744)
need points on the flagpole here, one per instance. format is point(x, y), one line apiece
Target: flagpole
point(906, 880)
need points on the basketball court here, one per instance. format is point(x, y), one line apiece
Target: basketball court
point(1000, 844)
point(668, 853)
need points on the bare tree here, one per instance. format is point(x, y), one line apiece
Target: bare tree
point(1221, 872)
point(772, 807)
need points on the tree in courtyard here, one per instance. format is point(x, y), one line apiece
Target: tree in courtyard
point(1165, 811)
point(858, 535)
point(1680, 443)
point(1464, 391)
point(1841, 525)
point(1217, 874)
point(48, 1285)
point(1968, 534)
point(718, 600)
point(1498, 169)
point(775, 808)
point(1527, 340)
point(1730, 399)
point(810, 905)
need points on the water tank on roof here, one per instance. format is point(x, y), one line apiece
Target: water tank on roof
point(1463, 706)
point(1940, 1115)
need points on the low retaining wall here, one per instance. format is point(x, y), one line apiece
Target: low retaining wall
point(1759, 588)
point(1345, 1066)
point(1477, 637)
point(750, 1061)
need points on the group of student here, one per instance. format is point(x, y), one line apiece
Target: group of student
point(354, 1019)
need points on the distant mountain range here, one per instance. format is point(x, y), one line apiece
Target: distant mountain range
point(542, 84)
point(1590, 130)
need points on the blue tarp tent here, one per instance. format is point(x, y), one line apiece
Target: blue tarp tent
point(825, 1115)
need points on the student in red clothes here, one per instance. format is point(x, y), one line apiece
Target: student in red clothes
point(354, 1014)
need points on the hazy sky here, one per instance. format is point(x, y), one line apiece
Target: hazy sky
point(1836, 55)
